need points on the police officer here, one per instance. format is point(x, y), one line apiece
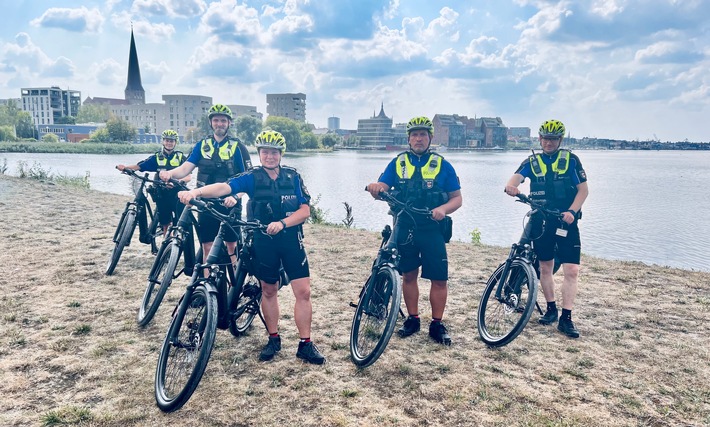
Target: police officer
point(217, 158)
point(166, 159)
point(277, 197)
point(423, 178)
point(557, 179)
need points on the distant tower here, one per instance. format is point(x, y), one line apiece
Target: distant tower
point(333, 123)
point(134, 89)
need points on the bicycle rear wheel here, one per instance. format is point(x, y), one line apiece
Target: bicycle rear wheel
point(186, 349)
point(501, 320)
point(161, 276)
point(122, 239)
point(245, 305)
point(375, 317)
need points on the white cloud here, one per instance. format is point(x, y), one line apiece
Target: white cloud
point(79, 19)
point(109, 73)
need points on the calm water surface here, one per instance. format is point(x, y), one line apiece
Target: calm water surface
point(645, 206)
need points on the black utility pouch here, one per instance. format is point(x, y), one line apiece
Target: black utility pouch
point(446, 226)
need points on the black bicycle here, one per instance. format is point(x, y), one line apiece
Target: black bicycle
point(380, 298)
point(510, 295)
point(180, 243)
point(209, 303)
point(137, 212)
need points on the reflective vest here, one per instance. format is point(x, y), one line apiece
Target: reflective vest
point(171, 161)
point(553, 185)
point(219, 168)
point(273, 199)
point(418, 184)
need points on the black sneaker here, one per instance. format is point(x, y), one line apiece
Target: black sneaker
point(549, 318)
point(270, 349)
point(567, 327)
point(309, 352)
point(438, 332)
point(411, 326)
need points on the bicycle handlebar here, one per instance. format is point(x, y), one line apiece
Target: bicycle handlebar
point(522, 198)
point(394, 202)
point(207, 204)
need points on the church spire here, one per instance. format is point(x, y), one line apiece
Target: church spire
point(134, 93)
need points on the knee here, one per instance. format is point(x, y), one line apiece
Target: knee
point(571, 271)
point(410, 277)
point(439, 284)
point(301, 289)
point(269, 290)
point(546, 268)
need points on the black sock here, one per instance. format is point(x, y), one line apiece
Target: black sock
point(566, 314)
point(414, 316)
point(304, 340)
point(551, 306)
point(274, 335)
point(433, 320)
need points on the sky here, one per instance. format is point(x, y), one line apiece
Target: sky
point(620, 69)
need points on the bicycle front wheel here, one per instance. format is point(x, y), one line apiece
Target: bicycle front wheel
point(501, 319)
point(186, 349)
point(375, 317)
point(161, 276)
point(123, 237)
point(155, 233)
point(245, 300)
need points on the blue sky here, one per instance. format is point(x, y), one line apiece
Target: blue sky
point(626, 69)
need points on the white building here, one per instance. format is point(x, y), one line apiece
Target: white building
point(47, 104)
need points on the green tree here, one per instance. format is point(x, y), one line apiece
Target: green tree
point(91, 113)
point(66, 120)
point(203, 128)
point(24, 127)
point(247, 128)
point(50, 137)
point(309, 141)
point(288, 128)
point(100, 135)
point(330, 140)
point(120, 130)
point(7, 133)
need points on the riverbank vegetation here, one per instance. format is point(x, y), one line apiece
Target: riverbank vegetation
point(71, 352)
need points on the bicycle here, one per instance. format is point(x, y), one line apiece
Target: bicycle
point(179, 243)
point(136, 211)
point(380, 297)
point(510, 295)
point(207, 305)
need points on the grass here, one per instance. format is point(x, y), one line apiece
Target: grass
point(72, 353)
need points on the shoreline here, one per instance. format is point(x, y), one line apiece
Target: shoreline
point(71, 345)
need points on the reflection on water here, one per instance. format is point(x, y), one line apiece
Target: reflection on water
point(643, 205)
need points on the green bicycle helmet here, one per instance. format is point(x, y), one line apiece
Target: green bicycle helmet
point(220, 110)
point(419, 123)
point(271, 139)
point(170, 134)
point(552, 129)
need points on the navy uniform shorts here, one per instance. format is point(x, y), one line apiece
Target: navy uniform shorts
point(285, 248)
point(567, 248)
point(425, 248)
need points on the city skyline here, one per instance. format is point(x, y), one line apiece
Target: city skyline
point(606, 68)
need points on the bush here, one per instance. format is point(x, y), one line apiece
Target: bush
point(475, 236)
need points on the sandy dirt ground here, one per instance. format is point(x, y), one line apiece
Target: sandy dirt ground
point(71, 351)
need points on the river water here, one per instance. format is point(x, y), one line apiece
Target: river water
point(644, 206)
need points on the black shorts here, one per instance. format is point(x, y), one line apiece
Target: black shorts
point(425, 248)
point(168, 207)
point(285, 248)
point(208, 226)
point(567, 248)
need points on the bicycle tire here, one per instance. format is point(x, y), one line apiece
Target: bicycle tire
point(126, 226)
point(500, 322)
point(159, 279)
point(375, 317)
point(186, 350)
point(245, 300)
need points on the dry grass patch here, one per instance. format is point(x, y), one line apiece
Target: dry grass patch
point(72, 354)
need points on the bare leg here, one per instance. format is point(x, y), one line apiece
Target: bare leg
point(410, 290)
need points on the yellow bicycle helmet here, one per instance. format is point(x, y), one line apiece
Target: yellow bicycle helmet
point(271, 139)
point(170, 134)
point(220, 110)
point(419, 123)
point(552, 129)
